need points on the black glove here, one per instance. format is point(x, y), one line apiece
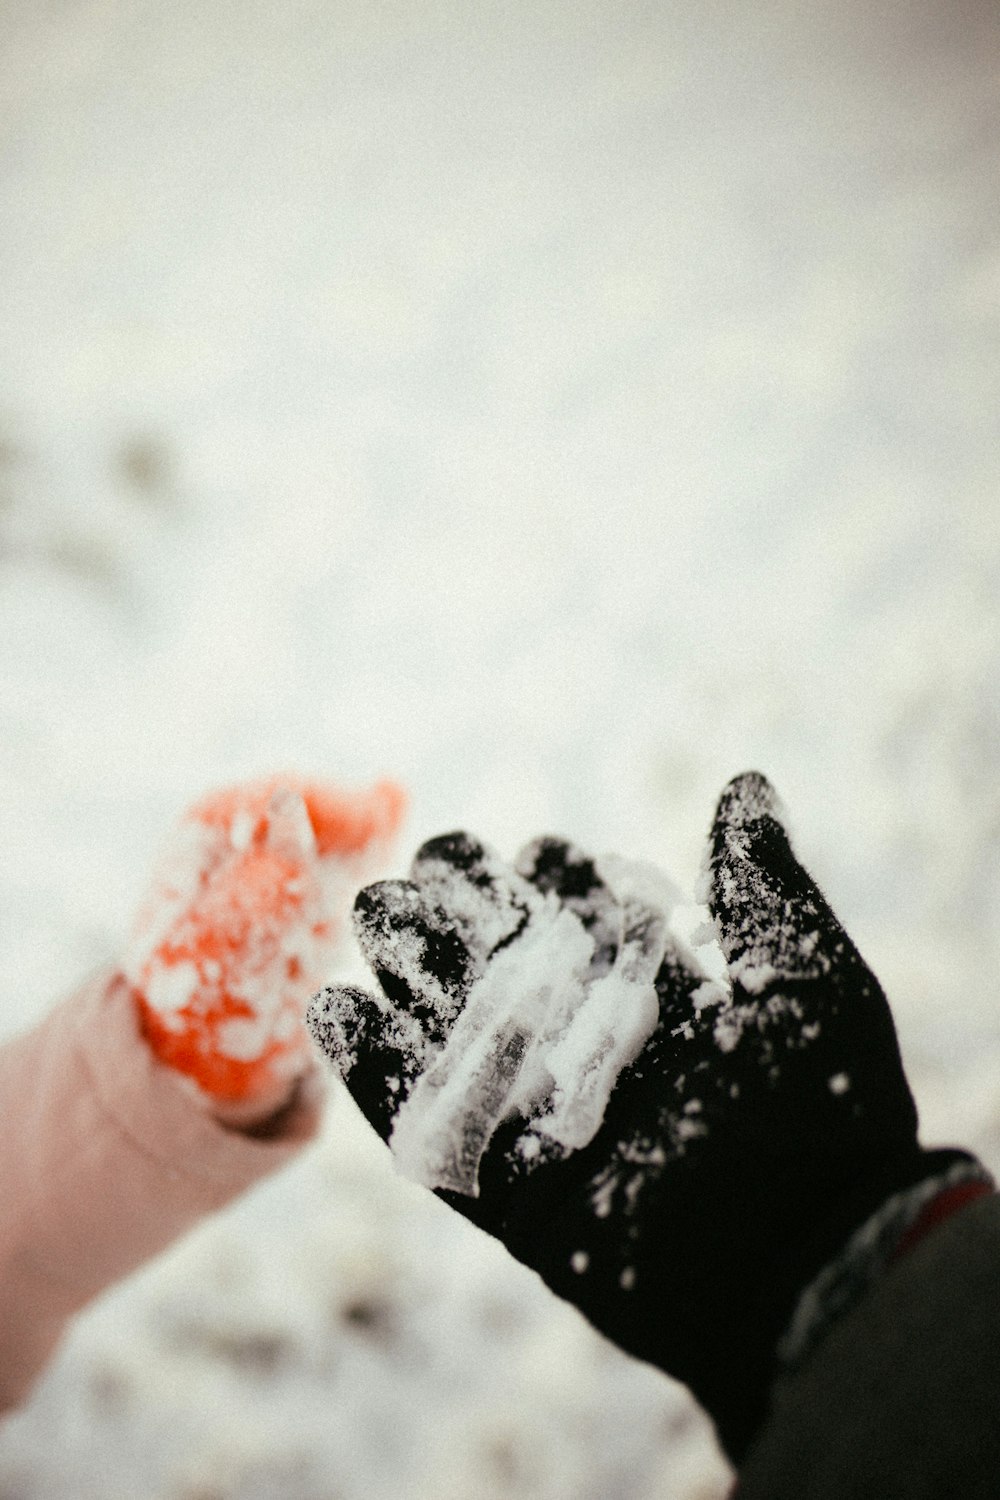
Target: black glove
point(740, 1149)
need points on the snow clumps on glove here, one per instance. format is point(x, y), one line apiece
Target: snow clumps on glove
point(243, 915)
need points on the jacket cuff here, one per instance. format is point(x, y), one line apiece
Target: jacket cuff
point(882, 1239)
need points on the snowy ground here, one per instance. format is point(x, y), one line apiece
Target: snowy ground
point(560, 407)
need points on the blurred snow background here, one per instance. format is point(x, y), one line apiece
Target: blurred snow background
point(560, 407)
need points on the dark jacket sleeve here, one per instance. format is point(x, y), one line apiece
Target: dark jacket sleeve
point(901, 1400)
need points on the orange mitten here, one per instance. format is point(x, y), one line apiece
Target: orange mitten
point(239, 925)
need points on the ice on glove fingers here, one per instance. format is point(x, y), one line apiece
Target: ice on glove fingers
point(240, 923)
point(492, 1062)
point(545, 993)
point(617, 1013)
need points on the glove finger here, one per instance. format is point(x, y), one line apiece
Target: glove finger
point(420, 959)
point(460, 886)
point(376, 1051)
point(774, 924)
point(483, 898)
point(800, 986)
point(428, 940)
point(553, 865)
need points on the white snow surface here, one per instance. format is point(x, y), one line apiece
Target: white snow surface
point(560, 408)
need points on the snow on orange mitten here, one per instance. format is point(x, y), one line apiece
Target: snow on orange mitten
point(240, 923)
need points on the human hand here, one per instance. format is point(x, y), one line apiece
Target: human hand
point(745, 1130)
point(244, 910)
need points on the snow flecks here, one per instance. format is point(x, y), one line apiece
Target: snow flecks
point(603, 1194)
point(780, 1017)
point(775, 954)
point(686, 1129)
point(729, 1028)
point(707, 994)
point(633, 1188)
point(642, 1153)
point(754, 977)
point(840, 1083)
point(619, 1186)
point(579, 1261)
point(627, 1279)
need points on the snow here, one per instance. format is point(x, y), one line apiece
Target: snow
point(269, 901)
point(443, 1128)
point(561, 409)
point(545, 1028)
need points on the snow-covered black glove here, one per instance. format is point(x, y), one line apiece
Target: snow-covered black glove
point(708, 1168)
